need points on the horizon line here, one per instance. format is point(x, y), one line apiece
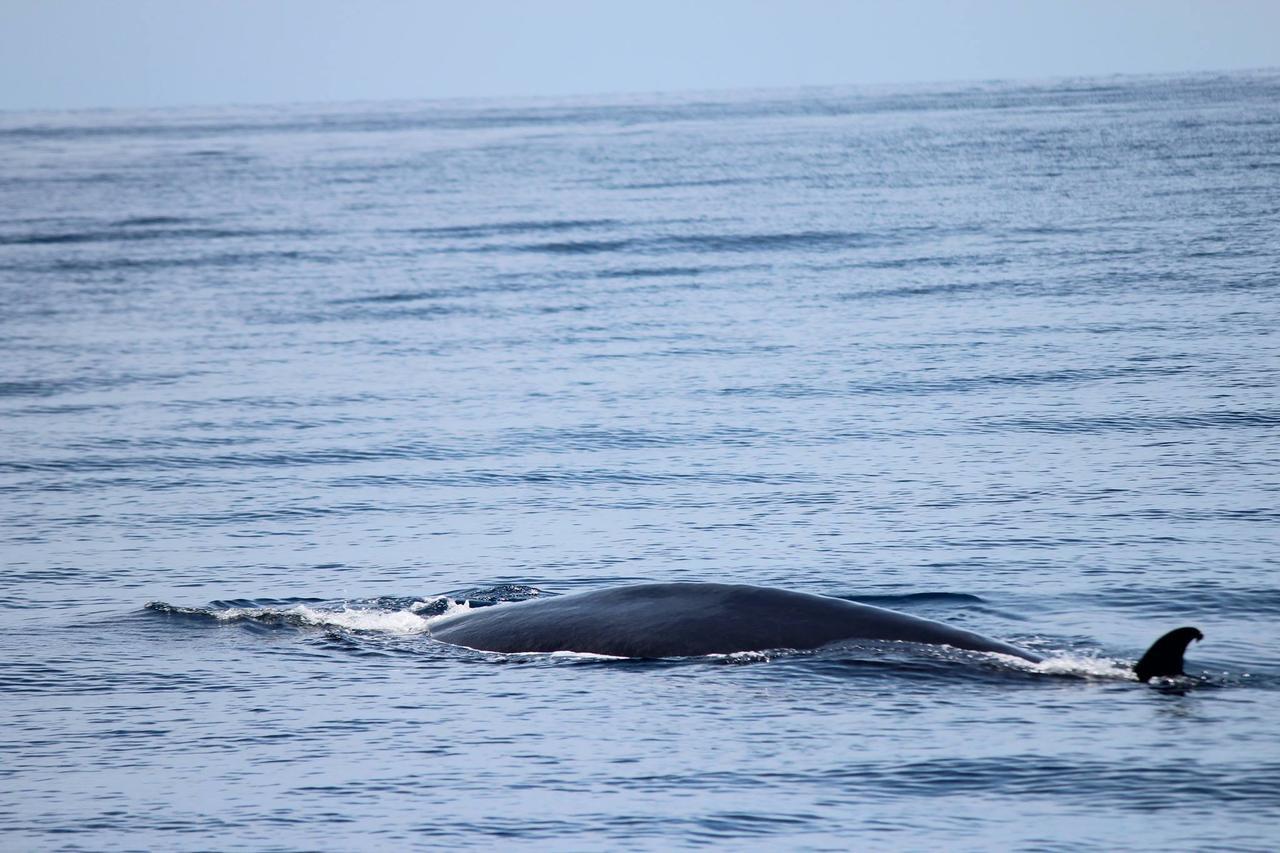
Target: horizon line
point(633, 93)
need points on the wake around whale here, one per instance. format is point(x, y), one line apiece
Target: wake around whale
point(661, 620)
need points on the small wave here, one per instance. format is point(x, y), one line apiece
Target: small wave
point(499, 229)
point(768, 242)
point(1201, 599)
point(487, 595)
point(359, 617)
point(401, 296)
point(130, 232)
point(967, 384)
point(216, 261)
point(724, 243)
point(948, 289)
point(146, 221)
point(702, 182)
point(578, 247)
point(657, 272)
point(331, 456)
point(1134, 423)
point(907, 599)
point(393, 615)
point(54, 387)
point(1154, 785)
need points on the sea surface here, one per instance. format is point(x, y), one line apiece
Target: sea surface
point(280, 385)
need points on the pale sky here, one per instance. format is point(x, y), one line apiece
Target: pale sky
point(58, 54)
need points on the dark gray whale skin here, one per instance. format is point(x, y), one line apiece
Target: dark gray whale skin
point(661, 620)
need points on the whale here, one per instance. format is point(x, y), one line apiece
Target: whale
point(666, 620)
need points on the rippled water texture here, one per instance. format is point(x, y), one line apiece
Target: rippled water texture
point(306, 377)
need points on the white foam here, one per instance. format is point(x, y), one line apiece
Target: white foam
point(404, 622)
point(1090, 667)
point(569, 655)
point(750, 657)
point(392, 622)
point(231, 614)
point(408, 621)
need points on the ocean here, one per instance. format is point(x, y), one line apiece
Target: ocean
point(280, 385)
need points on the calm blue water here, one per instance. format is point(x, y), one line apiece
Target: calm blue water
point(1003, 355)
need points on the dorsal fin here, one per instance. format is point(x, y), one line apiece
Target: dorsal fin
point(1165, 655)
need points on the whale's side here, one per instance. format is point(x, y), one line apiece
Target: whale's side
point(689, 619)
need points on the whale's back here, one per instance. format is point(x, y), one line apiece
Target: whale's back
point(689, 619)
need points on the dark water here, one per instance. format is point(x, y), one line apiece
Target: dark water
point(1001, 355)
